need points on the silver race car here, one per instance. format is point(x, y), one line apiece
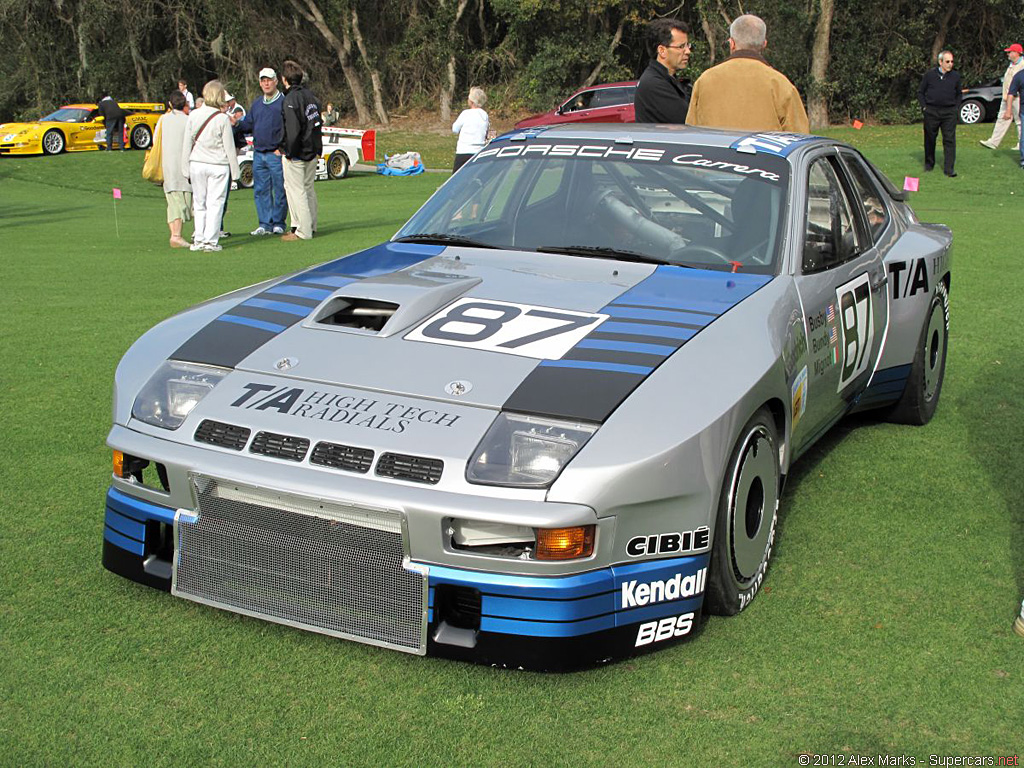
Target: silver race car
point(548, 423)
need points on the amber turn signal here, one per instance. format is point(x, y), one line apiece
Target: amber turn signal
point(565, 543)
point(118, 464)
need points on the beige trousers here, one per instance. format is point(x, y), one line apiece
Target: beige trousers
point(298, 189)
point(1003, 125)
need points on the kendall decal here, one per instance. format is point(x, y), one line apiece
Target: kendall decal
point(366, 412)
point(635, 594)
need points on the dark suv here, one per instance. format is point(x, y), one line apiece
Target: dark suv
point(981, 102)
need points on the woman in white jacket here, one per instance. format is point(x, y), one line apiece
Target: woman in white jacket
point(208, 160)
point(471, 126)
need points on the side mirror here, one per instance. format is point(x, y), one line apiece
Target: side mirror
point(560, 110)
point(98, 119)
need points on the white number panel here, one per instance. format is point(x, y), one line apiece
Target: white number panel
point(514, 329)
point(857, 326)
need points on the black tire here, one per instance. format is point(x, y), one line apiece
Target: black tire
point(141, 136)
point(53, 142)
point(924, 385)
point(972, 111)
point(337, 165)
point(245, 174)
point(748, 511)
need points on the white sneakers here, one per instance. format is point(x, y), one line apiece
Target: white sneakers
point(278, 230)
point(259, 232)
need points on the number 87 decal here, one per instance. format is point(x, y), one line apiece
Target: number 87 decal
point(857, 327)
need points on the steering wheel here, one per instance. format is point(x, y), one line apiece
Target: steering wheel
point(692, 248)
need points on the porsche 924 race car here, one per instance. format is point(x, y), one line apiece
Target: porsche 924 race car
point(76, 128)
point(342, 148)
point(548, 423)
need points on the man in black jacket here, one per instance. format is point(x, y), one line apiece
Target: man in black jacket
point(113, 121)
point(660, 97)
point(939, 96)
point(301, 145)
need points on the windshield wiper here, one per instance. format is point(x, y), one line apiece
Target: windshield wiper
point(601, 252)
point(440, 238)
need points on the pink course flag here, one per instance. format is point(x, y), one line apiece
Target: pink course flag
point(910, 183)
point(857, 124)
point(117, 193)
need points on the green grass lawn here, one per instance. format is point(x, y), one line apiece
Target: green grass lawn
point(884, 626)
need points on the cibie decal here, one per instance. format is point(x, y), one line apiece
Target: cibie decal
point(798, 396)
point(857, 326)
point(514, 329)
point(910, 284)
point(664, 629)
point(780, 144)
point(669, 543)
point(635, 594)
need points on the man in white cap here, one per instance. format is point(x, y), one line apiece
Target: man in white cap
point(233, 109)
point(265, 122)
point(1015, 53)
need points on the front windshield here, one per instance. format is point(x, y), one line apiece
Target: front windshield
point(696, 206)
point(66, 115)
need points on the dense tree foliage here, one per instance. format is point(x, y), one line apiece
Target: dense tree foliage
point(375, 58)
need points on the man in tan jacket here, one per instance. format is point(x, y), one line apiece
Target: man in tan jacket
point(744, 93)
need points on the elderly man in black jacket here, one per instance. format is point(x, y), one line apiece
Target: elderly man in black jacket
point(939, 96)
point(301, 145)
point(660, 97)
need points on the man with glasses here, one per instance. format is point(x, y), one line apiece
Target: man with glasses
point(660, 97)
point(744, 92)
point(939, 96)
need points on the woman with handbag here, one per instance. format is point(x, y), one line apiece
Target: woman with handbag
point(208, 159)
point(166, 152)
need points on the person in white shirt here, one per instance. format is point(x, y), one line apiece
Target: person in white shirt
point(183, 87)
point(1013, 53)
point(208, 160)
point(471, 126)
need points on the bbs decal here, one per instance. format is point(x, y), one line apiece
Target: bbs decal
point(664, 629)
point(515, 329)
point(857, 326)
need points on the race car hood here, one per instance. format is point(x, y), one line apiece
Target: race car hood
point(14, 129)
point(561, 336)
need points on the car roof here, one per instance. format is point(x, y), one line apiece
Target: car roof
point(775, 142)
point(78, 106)
point(622, 84)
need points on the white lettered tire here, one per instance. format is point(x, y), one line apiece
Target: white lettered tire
point(747, 515)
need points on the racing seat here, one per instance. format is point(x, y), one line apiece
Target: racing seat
point(751, 213)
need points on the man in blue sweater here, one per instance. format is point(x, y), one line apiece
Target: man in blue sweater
point(266, 124)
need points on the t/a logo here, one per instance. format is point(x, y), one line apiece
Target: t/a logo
point(634, 594)
point(664, 629)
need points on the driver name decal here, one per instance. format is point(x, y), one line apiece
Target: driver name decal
point(513, 329)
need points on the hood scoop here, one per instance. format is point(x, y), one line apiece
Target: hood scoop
point(386, 305)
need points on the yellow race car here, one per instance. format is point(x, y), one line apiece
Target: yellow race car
point(76, 128)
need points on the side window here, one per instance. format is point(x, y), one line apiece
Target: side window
point(870, 199)
point(830, 237)
point(579, 101)
point(609, 97)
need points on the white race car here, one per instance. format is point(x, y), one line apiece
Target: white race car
point(342, 148)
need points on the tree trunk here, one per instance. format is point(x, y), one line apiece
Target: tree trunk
point(817, 103)
point(378, 98)
point(709, 33)
point(616, 39)
point(940, 36)
point(310, 11)
point(448, 91)
point(140, 72)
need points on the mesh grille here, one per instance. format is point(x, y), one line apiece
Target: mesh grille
point(342, 457)
point(224, 435)
point(280, 446)
point(326, 567)
point(416, 468)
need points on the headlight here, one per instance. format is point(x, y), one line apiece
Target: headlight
point(173, 391)
point(526, 451)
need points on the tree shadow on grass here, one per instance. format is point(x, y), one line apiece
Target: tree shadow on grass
point(12, 216)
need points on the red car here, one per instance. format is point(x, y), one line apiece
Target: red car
point(605, 103)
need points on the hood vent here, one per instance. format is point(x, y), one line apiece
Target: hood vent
point(360, 314)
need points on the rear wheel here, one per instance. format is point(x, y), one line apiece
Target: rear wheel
point(142, 136)
point(921, 396)
point(53, 142)
point(245, 174)
point(747, 515)
point(972, 111)
point(337, 165)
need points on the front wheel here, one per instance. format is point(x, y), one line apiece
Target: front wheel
point(337, 165)
point(972, 111)
point(747, 514)
point(142, 137)
point(245, 174)
point(924, 385)
point(53, 142)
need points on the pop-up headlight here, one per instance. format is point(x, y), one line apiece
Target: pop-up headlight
point(526, 451)
point(173, 391)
